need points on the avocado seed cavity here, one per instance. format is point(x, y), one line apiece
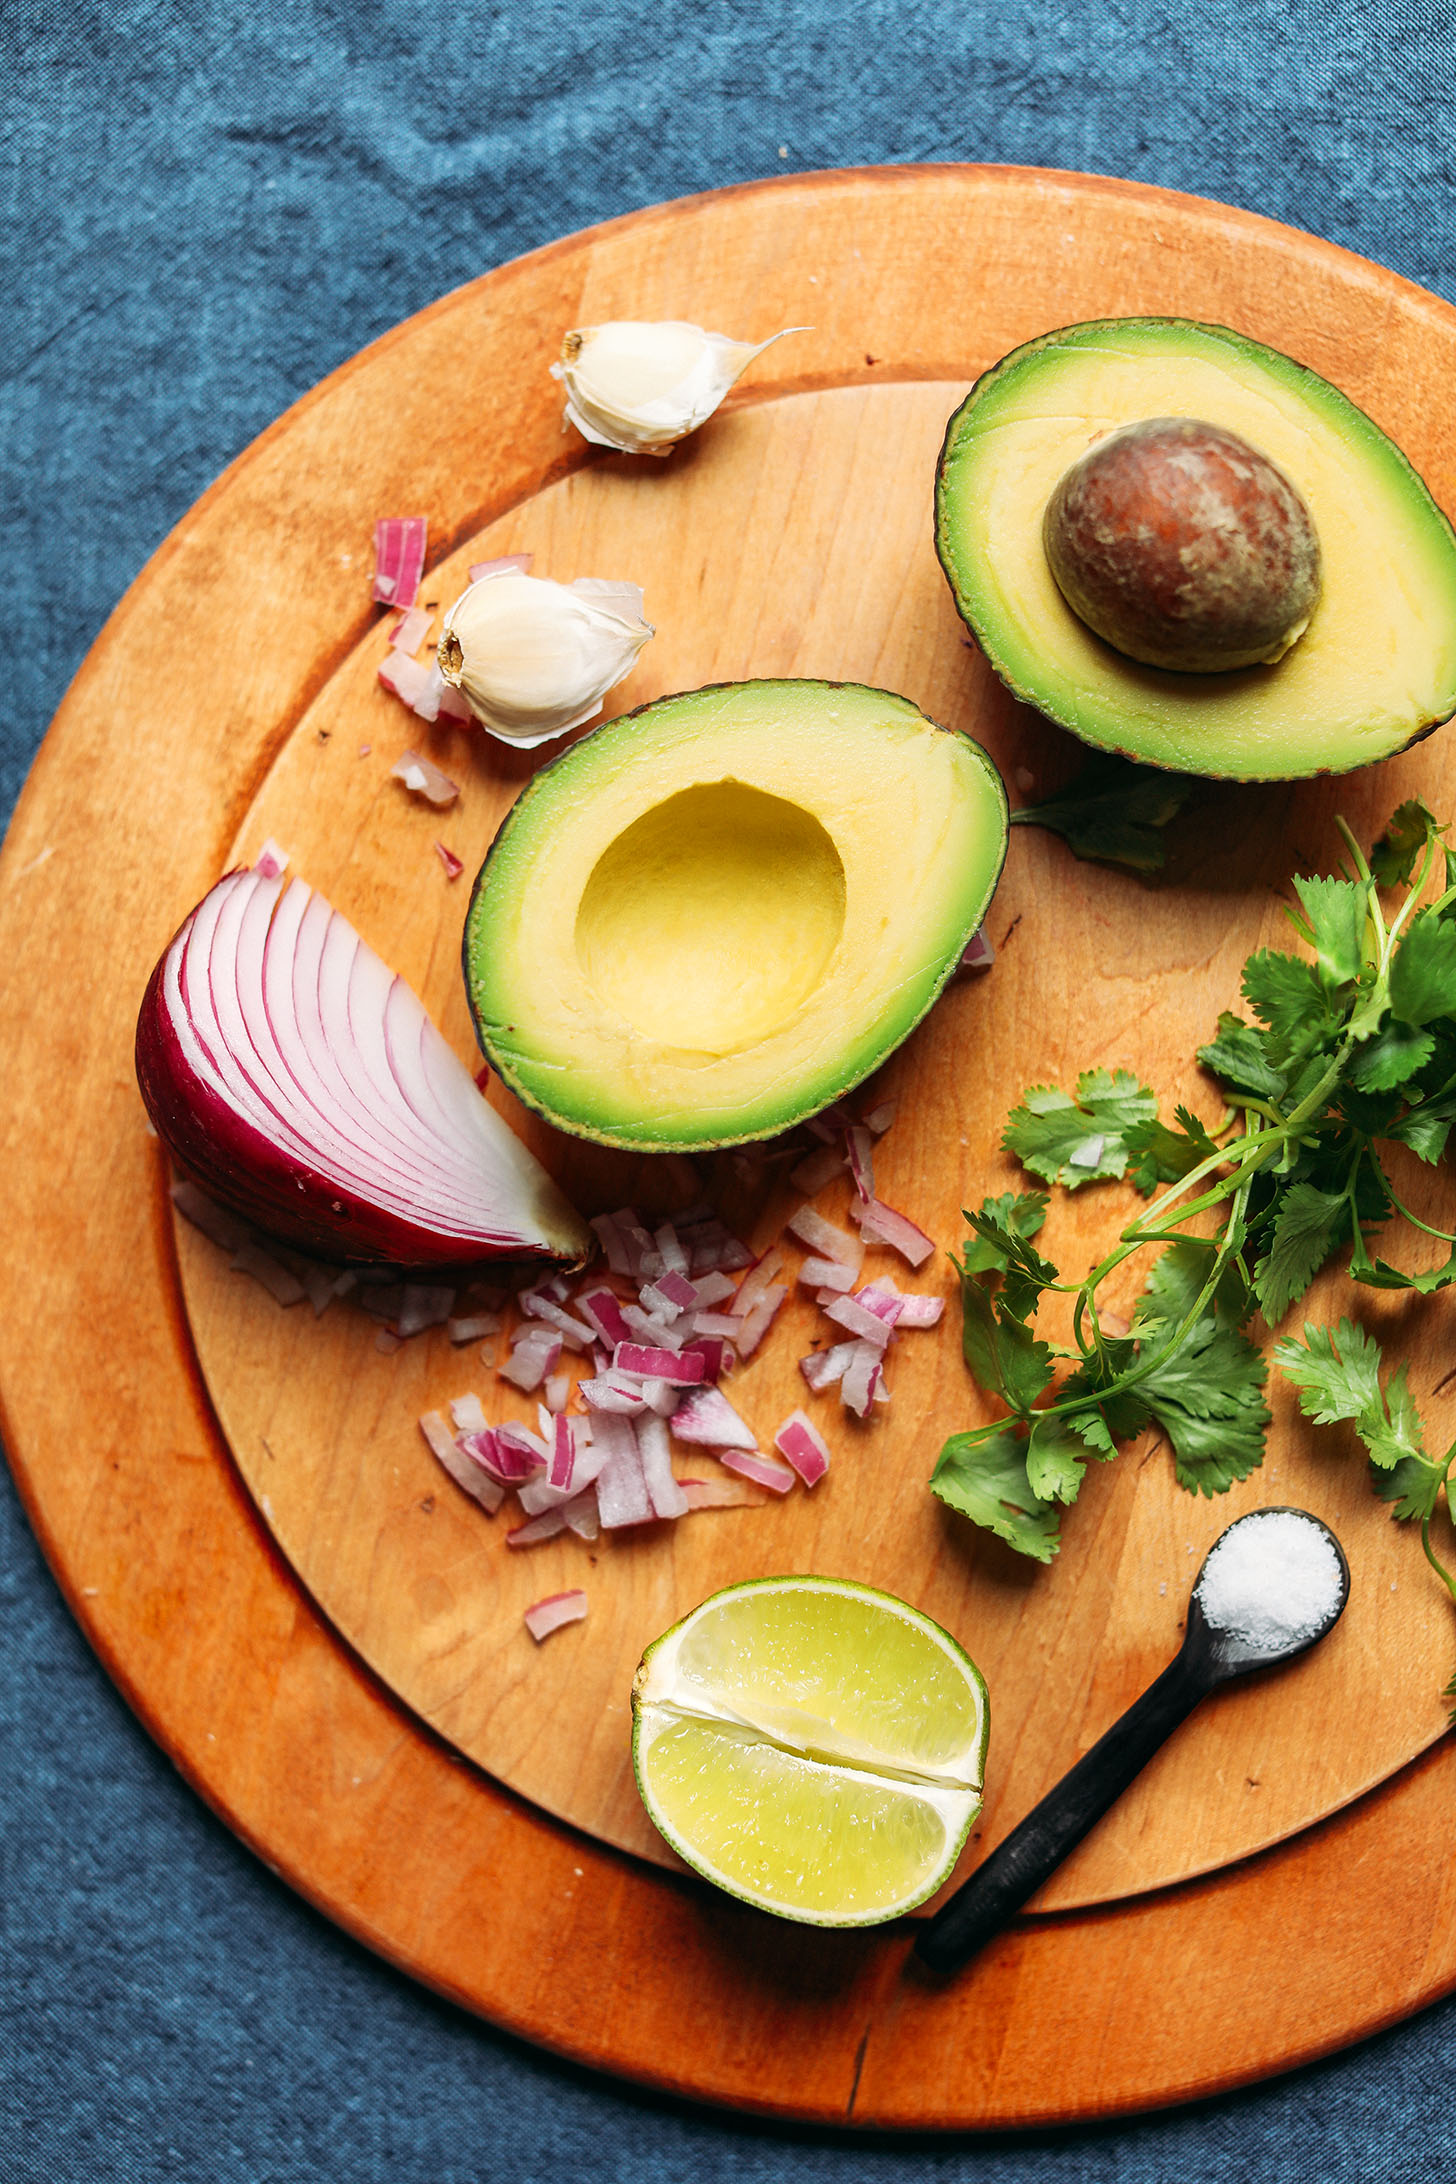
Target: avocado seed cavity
point(1184, 547)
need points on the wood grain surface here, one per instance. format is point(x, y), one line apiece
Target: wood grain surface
point(193, 729)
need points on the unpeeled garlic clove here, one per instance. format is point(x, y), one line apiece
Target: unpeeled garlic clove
point(534, 658)
point(640, 386)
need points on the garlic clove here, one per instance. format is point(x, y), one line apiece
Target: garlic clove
point(534, 658)
point(640, 386)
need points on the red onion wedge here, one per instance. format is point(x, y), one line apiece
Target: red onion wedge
point(801, 1441)
point(298, 1080)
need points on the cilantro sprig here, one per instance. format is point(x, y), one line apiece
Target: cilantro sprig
point(1348, 1047)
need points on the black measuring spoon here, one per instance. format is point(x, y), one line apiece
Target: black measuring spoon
point(1213, 1652)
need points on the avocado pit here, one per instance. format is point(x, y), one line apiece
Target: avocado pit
point(1184, 547)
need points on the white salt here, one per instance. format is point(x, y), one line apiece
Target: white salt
point(1273, 1580)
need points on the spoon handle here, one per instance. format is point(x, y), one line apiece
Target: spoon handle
point(1016, 1869)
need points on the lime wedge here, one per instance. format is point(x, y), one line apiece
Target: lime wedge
point(813, 1746)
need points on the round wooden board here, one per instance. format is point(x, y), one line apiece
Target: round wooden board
point(255, 609)
point(795, 538)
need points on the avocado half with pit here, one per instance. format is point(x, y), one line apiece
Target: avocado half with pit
point(1374, 670)
point(710, 918)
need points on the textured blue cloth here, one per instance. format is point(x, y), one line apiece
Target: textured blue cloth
point(203, 211)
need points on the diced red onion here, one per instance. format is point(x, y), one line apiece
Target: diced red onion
point(409, 681)
point(861, 1378)
point(716, 1494)
point(653, 1329)
point(205, 1213)
point(251, 1258)
point(545, 1525)
point(727, 1324)
point(978, 954)
point(860, 1147)
point(804, 1446)
point(425, 1304)
point(448, 858)
point(816, 1169)
point(467, 1474)
point(271, 861)
point(878, 1120)
point(918, 1311)
point(600, 1308)
point(675, 1259)
point(763, 1470)
point(622, 1397)
point(574, 1332)
point(562, 1466)
point(422, 777)
point(622, 1496)
point(554, 1612)
point(582, 1515)
point(706, 1419)
point(322, 1286)
point(532, 1360)
point(473, 1327)
point(824, 1238)
point(865, 1325)
point(885, 1302)
point(757, 1281)
point(881, 1224)
point(513, 1435)
point(718, 1356)
point(498, 567)
point(659, 1364)
point(760, 1319)
point(664, 1493)
point(557, 1391)
point(831, 1274)
point(821, 1368)
point(612, 1242)
point(711, 1289)
point(410, 630)
point(399, 559)
point(468, 1413)
point(302, 1083)
point(671, 1291)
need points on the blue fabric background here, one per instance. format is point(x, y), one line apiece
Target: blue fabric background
point(203, 211)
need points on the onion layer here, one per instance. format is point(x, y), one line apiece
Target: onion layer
point(302, 1083)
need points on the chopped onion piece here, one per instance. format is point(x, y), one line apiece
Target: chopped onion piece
point(582, 1515)
point(816, 1169)
point(706, 1419)
point(621, 1488)
point(713, 1288)
point(831, 1274)
point(878, 1120)
point(804, 1446)
point(467, 1474)
point(860, 1146)
point(671, 1292)
point(205, 1213)
point(659, 1364)
point(717, 1494)
point(612, 1242)
point(545, 1525)
point(715, 1323)
point(478, 569)
point(756, 1282)
point(601, 1309)
point(861, 1378)
point(399, 559)
point(270, 860)
point(530, 1363)
point(880, 1224)
point(411, 630)
point(867, 1326)
point(554, 1612)
point(468, 1413)
point(718, 1356)
point(574, 1333)
point(473, 1327)
point(821, 1368)
point(759, 1320)
point(423, 778)
point(824, 1238)
point(887, 1304)
point(763, 1470)
point(557, 1391)
point(978, 954)
point(664, 1493)
point(623, 1397)
point(423, 1305)
point(670, 1250)
point(251, 1258)
point(409, 681)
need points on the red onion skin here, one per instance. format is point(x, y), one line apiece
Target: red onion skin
point(293, 1202)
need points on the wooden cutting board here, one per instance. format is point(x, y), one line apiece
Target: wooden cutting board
point(228, 699)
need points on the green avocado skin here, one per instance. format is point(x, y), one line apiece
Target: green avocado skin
point(566, 1096)
point(1110, 710)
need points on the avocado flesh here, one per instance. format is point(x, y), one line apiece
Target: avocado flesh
point(708, 919)
point(1376, 667)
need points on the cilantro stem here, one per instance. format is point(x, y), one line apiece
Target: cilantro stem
point(1442, 1236)
point(1430, 1554)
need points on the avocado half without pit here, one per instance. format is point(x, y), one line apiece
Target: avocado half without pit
point(710, 918)
point(1184, 546)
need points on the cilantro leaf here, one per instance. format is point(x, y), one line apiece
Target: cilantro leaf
point(1114, 813)
point(1393, 858)
point(1336, 912)
point(1308, 1225)
point(1160, 1155)
point(1024, 1271)
point(1208, 1396)
point(1176, 1282)
point(1055, 1458)
point(983, 1475)
point(1423, 973)
point(1082, 1140)
point(1001, 1349)
point(1337, 1373)
point(1393, 1055)
point(1239, 1057)
point(1426, 1128)
point(1414, 1485)
point(1289, 998)
point(1021, 1214)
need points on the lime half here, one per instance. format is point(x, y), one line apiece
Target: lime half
point(813, 1746)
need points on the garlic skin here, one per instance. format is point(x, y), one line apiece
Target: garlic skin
point(533, 658)
point(640, 386)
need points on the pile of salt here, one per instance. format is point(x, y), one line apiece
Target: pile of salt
point(1273, 1580)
